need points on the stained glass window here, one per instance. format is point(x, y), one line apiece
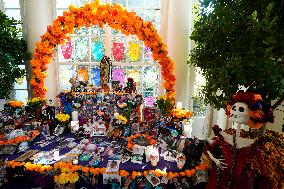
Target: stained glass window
point(131, 58)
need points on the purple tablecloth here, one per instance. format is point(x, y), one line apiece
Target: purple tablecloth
point(128, 166)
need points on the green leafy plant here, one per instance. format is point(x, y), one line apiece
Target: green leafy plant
point(13, 52)
point(240, 43)
point(165, 105)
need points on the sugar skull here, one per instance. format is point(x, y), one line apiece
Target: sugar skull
point(239, 113)
point(180, 160)
point(154, 157)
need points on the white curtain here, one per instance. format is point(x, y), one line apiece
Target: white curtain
point(176, 19)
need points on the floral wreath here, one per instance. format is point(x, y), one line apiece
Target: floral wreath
point(130, 142)
point(259, 112)
point(99, 14)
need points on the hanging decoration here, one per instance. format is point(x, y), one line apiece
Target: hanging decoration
point(82, 74)
point(134, 51)
point(99, 14)
point(118, 75)
point(148, 54)
point(81, 49)
point(96, 78)
point(66, 49)
point(118, 51)
point(98, 50)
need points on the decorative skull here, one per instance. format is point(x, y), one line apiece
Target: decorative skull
point(154, 157)
point(180, 159)
point(239, 113)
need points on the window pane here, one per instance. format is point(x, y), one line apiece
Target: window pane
point(63, 3)
point(147, 95)
point(65, 52)
point(98, 49)
point(96, 30)
point(135, 73)
point(66, 72)
point(118, 75)
point(81, 49)
point(139, 12)
point(21, 83)
point(135, 4)
point(95, 78)
point(82, 31)
point(152, 4)
point(11, 4)
point(60, 12)
point(21, 95)
point(80, 3)
point(154, 17)
point(118, 49)
point(148, 55)
point(116, 32)
point(134, 51)
point(14, 14)
point(151, 83)
point(121, 2)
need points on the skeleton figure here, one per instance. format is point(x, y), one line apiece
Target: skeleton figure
point(239, 113)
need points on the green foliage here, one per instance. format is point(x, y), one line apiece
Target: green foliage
point(165, 106)
point(239, 43)
point(13, 52)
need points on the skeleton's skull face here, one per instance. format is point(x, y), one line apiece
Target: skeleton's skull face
point(239, 113)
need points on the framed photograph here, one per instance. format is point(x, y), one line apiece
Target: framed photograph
point(155, 181)
point(137, 158)
point(111, 178)
point(137, 149)
point(112, 166)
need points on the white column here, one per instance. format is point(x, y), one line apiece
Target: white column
point(38, 15)
point(177, 37)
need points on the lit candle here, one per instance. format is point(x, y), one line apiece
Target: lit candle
point(187, 130)
point(179, 105)
point(75, 116)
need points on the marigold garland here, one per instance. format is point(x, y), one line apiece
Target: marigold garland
point(19, 139)
point(99, 14)
point(68, 170)
point(130, 143)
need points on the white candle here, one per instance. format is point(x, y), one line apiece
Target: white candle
point(179, 105)
point(187, 130)
point(75, 116)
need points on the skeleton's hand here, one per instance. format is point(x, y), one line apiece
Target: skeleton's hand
point(219, 162)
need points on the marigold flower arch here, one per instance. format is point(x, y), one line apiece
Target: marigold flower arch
point(99, 14)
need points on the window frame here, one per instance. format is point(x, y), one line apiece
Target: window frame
point(108, 36)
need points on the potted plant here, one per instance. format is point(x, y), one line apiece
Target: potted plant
point(35, 105)
point(13, 52)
